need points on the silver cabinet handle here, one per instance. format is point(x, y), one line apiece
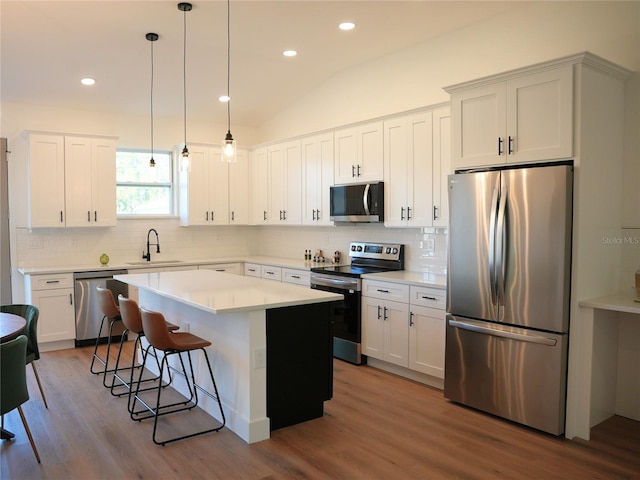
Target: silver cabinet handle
point(435, 213)
point(353, 171)
point(53, 281)
point(379, 308)
point(411, 322)
point(401, 213)
point(296, 277)
point(429, 298)
point(385, 313)
point(408, 213)
point(383, 291)
point(264, 215)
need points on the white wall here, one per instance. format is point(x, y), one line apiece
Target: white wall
point(414, 77)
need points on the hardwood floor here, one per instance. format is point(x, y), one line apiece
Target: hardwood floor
point(377, 426)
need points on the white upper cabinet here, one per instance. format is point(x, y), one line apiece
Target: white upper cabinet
point(359, 153)
point(285, 183)
point(416, 165)
point(207, 191)
point(317, 175)
point(259, 198)
point(239, 189)
point(71, 181)
point(515, 118)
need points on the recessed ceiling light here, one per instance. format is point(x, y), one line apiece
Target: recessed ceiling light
point(224, 98)
point(290, 53)
point(88, 81)
point(347, 26)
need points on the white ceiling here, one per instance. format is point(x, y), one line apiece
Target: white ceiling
point(47, 46)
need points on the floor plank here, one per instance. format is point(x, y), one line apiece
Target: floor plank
point(377, 426)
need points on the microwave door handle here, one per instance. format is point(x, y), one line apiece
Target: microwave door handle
point(365, 199)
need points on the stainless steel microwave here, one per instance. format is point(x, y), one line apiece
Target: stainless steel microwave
point(362, 202)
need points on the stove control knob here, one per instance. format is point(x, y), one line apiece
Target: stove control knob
point(395, 250)
point(388, 250)
point(353, 248)
point(359, 248)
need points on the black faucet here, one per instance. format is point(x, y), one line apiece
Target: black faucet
point(147, 256)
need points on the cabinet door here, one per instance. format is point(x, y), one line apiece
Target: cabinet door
point(372, 328)
point(57, 316)
point(396, 337)
point(78, 181)
point(218, 188)
point(345, 155)
point(194, 195)
point(46, 181)
point(370, 153)
point(293, 185)
point(540, 116)
point(239, 189)
point(277, 183)
point(259, 191)
point(427, 340)
point(420, 169)
point(441, 165)
point(317, 176)
point(479, 126)
point(103, 198)
point(396, 172)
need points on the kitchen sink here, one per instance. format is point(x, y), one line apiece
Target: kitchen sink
point(154, 262)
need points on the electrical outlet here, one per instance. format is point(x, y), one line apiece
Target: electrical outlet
point(36, 242)
point(260, 358)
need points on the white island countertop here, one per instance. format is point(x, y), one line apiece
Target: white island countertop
point(218, 292)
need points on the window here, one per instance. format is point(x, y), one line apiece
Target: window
point(141, 189)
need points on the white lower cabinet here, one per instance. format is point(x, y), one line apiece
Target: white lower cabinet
point(53, 295)
point(270, 272)
point(252, 269)
point(297, 277)
point(404, 325)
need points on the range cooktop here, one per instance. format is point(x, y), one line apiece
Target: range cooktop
point(368, 258)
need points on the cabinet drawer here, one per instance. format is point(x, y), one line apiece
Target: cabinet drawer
point(235, 268)
point(299, 277)
point(252, 270)
point(385, 290)
point(271, 273)
point(50, 282)
point(428, 297)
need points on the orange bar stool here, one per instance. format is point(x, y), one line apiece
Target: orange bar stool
point(111, 316)
point(132, 320)
point(177, 343)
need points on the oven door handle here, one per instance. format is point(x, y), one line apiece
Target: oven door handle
point(334, 282)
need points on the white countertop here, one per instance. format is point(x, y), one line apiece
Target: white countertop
point(421, 279)
point(158, 262)
point(620, 302)
point(218, 292)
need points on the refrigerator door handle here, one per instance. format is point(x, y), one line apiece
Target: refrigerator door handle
point(529, 338)
point(492, 245)
point(500, 245)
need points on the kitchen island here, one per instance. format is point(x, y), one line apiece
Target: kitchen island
point(271, 350)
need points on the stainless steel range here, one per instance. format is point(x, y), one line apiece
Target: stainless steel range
point(346, 279)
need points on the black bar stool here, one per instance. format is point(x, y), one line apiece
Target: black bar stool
point(155, 330)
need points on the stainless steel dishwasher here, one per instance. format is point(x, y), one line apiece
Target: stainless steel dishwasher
point(88, 312)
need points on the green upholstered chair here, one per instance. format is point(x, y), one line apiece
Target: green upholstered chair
point(30, 313)
point(13, 381)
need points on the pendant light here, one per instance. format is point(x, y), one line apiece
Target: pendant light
point(185, 163)
point(228, 144)
point(152, 37)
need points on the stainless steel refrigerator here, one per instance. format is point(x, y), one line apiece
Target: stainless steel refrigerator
point(508, 293)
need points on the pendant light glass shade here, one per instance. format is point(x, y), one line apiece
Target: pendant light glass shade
point(152, 37)
point(228, 144)
point(185, 163)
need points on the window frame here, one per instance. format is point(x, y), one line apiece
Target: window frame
point(172, 184)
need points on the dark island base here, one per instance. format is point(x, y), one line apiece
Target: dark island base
point(299, 363)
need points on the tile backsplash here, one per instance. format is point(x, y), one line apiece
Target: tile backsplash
point(425, 248)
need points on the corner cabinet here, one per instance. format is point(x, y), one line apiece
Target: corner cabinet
point(522, 116)
point(71, 180)
point(359, 153)
point(317, 177)
point(214, 192)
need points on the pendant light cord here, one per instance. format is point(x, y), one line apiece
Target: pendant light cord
point(184, 75)
point(228, 64)
point(152, 160)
